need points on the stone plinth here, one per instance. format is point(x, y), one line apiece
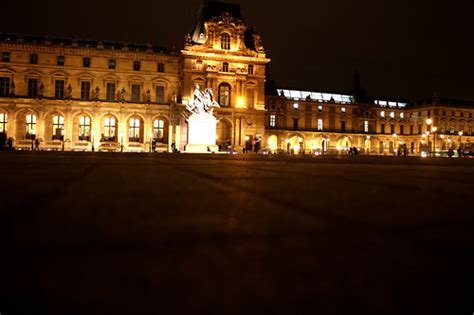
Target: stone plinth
point(202, 134)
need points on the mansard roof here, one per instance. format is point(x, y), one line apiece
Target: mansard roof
point(72, 41)
point(212, 9)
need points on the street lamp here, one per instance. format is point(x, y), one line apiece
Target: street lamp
point(394, 139)
point(433, 130)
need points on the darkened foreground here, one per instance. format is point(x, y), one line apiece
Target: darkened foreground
point(175, 234)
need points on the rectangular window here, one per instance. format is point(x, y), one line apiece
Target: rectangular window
point(343, 126)
point(382, 128)
point(34, 59)
point(402, 129)
point(343, 110)
point(225, 67)
point(4, 86)
point(160, 94)
point(59, 89)
point(32, 87)
point(85, 90)
point(60, 61)
point(6, 56)
point(411, 129)
point(420, 129)
point(366, 126)
point(3, 122)
point(272, 121)
point(86, 62)
point(320, 109)
point(250, 98)
point(295, 123)
point(112, 64)
point(135, 92)
point(320, 125)
point(251, 69)
point(392, 129)
point(136, 66)
point(161, 67)
point(111, 91)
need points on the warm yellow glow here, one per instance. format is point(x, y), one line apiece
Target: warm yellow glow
point(449, 140)
point(240, 102)
point(247, 138)
point(395, 135)
point(434, 129)
point(461, 133)
point(272, 143)
point(287, 140)
point(425, 135)
point(442, 136)
point(429, 121)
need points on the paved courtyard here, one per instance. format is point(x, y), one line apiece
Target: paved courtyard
point(181, 234)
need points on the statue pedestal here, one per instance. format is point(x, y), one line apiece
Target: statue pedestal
point(202, 134)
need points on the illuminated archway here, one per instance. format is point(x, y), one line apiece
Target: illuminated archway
point(272, 143)
point(296, 144)
point(224, 133)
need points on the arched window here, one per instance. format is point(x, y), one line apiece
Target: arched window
point(58, 127)
point(84, 128)
point(30, 126)
point(159, 131)
point(109, 129)
point(225, 41)
point(3, 122)
point(224, 94)
point(134, 130)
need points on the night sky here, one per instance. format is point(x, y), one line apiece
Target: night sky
point(402, 48)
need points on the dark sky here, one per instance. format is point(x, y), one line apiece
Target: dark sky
point(402, 48)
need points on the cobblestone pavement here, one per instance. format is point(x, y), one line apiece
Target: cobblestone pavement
point(182, 234)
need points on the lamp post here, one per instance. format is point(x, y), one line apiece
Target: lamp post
point(394, 139)
point(434, 130)
point(429, 122)
point(460, 138)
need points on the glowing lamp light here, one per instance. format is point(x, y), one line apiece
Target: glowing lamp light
point(424, 154)
point(241, 102)
point(442, 136)
point(394, 135)
point(434, 129)
point(449, 140)
point(287, 140)
point(429, 121)
point(460, 133)
point(247, 138)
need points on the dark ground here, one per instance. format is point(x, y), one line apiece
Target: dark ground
point(170, 234)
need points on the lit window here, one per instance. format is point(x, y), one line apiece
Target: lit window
point(272, 121)
point(343, 110)
point(320, 125)
point(225, 67)
point(3, 122)
point(225, 41)
point(224, 94)
point(366, 126)
point(30, 126)
point(250, 97)
point(159, 130)
point(320, 109)
point(84, 128)
point(109, 129)
point(402, 115)
point(134, 130)
point(58, 127)
point(382, 114)
point(392, 115)
point(296, 106)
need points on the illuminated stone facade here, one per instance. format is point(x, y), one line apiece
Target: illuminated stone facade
point(89, 95)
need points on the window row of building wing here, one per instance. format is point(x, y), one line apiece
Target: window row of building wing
point(81, 129)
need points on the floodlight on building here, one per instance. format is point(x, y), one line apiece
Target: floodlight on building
point(429, 121)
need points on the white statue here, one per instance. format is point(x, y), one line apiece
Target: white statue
point(202, 102)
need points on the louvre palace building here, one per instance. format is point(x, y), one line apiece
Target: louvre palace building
point(87, 95)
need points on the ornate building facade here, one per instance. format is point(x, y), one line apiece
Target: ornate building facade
point(85, 95)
